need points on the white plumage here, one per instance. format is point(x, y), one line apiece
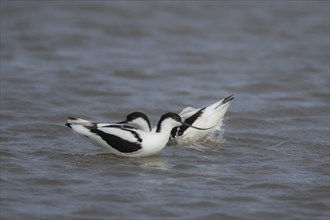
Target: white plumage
point(208, 117)
point(125, 140)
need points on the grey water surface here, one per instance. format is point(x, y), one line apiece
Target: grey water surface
point(101, 60)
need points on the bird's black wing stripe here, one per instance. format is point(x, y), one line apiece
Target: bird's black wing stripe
point(189, 120)
point(118, 143)
point(119, 126)
point(136, 135)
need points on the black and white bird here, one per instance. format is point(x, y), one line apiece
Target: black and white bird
point(208, 117)
point(138, 120)
point(125, 140)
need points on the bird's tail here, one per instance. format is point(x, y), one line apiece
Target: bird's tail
point(225, 100)
point(78, 121)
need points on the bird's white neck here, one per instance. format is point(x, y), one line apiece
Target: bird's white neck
point(165, 126)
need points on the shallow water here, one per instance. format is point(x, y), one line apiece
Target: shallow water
point(102, 60)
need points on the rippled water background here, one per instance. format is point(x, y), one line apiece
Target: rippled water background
point(103, 59)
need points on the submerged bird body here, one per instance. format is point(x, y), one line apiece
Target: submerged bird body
point(207, 117)
point(125, 140)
